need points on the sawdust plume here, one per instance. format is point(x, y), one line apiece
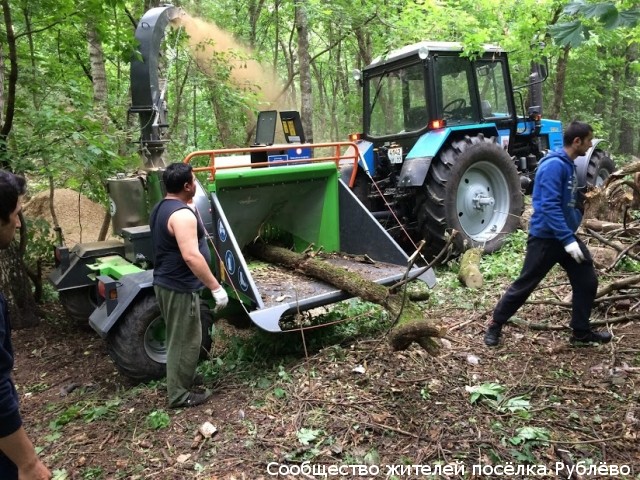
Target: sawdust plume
point(210, 44)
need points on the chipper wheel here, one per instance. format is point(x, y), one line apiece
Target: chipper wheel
point(79, 303)
point(137, 344)
point(474, 188)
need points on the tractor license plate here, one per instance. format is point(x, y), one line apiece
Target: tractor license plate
point(395, 155)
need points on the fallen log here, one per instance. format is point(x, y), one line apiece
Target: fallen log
point(410, 326)
point(469, 273)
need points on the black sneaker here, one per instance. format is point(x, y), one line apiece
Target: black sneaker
point(194, 399)
point(492, 335)
point(590, 336)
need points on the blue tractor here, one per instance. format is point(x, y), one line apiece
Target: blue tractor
point(447, 143)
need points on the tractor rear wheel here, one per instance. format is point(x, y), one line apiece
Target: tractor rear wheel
point(474, 188)
point(599, 168)
point(79, 303)
point(137, 344)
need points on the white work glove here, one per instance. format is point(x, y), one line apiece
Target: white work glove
point(221, 298)
point(573, 249)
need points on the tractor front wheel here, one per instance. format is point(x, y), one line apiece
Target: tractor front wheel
point(137, 344)
point(474, 188)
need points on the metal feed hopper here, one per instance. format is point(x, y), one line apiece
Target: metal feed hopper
point(305, 202)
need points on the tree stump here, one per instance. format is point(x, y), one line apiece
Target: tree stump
point(411, 325)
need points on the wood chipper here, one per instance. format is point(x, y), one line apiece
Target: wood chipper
point(290, 194)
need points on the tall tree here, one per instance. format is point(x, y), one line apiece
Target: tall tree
point(304, 59)
point(14, 280)
point(9, 96)
point(629, 122)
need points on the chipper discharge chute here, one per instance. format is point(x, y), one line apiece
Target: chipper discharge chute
point(301, 204)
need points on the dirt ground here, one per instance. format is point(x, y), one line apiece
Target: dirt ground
point(541, 402)
point(559, 405)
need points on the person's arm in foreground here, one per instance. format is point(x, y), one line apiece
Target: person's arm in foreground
point(19, 449)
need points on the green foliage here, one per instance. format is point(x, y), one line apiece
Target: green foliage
point(68, 415)
point(40, 242)
point(158, 419)
point(506, 262)
point(59, 474)
point(102, 412)
point(308, 435)
point(607, 14)
point(492, 394)
point(491, 391)
point(93, 473)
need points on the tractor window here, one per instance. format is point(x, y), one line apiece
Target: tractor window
point(491, 85)
point(397, 101)
point(453, 77)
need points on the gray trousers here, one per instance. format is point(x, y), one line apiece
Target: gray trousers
point(181, 313)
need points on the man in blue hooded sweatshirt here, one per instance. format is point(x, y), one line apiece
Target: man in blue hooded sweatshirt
point(18, 458)
point(552, 240)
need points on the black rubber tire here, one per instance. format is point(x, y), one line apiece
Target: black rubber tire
point(599, 168)
point(437, 206)
point(126, 342)
point(79, 303)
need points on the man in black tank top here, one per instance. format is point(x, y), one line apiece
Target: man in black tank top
point(181, 270)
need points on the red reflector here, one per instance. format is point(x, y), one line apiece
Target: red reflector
point(436, 124)
point(101, 289)
point(354, 137)
point(57, 254)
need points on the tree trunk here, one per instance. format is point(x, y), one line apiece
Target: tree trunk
point(10, 99)
point(98, 70)
point(100, 96)
point(411, 325)
point(628, 124)
point(304, 60)
point(16, 287)
point(221, 114)
point(558, 89)
point(1, 82)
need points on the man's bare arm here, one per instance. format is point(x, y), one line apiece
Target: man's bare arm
point(183, 225)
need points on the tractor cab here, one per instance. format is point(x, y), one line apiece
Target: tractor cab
point(429, 85)
point(447, 144)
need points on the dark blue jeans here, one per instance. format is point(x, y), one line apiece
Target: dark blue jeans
point(542, 254)
point(8, 469)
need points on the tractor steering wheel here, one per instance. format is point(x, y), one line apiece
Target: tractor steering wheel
point(454, 105)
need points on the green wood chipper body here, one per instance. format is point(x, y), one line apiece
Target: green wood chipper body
point(300, 206)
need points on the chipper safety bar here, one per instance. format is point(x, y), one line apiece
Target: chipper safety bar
point(304, 200)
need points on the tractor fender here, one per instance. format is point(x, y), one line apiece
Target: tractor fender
point(582, 162)
point(129, 287)
point(418, 161)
